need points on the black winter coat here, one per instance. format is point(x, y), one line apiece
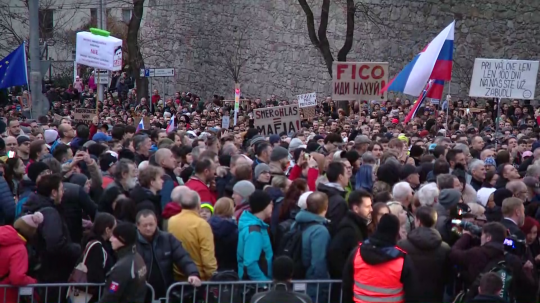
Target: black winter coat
point(337, 206)
point(75, 202)
point(160, 256)
point(225, 242)
point(113, 190)
point(350, 232)
point(126, 281)
point(145, 199)
point(282, 293)
point(429, 256)
point(57, 253)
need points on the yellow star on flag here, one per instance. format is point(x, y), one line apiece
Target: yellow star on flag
point(0, 66)
point(7, 62)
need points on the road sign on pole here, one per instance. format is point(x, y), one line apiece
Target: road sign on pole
point(156, 72)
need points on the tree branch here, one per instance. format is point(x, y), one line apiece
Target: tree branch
point(310, 22)
point(349, 35)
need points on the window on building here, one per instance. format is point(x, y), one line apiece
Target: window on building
point(93, 16)
point(126, 15)
point(46, 23)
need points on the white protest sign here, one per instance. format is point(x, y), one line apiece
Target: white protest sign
point(84, 115)
point(499, 78)
point(274, 120)
point(225, 122)
point(99, 51)
point(360, 81)
point(307, 100)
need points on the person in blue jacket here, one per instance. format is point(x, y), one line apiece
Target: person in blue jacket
point(254, 252)
point(7, 203)
point(315, 240)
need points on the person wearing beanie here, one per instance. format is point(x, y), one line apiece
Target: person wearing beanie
point(282, 288)
point(254, 239)
point(207, 211)
point(275, 140)
point(279, 161)
point(261, 176)
point(242, 190)
point(379, 270)
point(14, 255)
point(107, 164)
point(127, 280)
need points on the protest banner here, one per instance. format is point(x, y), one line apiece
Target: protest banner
point(84, 115)
point(500, 78)
point(57, 118)
point(225, 121)
point(307, 100)
point(360, 81)
point(274, 120)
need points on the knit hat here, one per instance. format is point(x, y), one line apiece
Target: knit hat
point(318, 137)
point(302, 201)
point(258, 201)
point(261, 168)
point(256, 139)
point(35, 169)
point(274, 139)
point(295, 143)
point(106, 161)
point(209, 206)
point(22, 139)
point(50, 135)
point(79, 179)
point(27, 225)
point(490, 161)
point(125, 233)
point(449, 197)
point(312, 147)
point(245, 188)
point(482, 196)
point(362, 139)
point(278, 153)
point(388, 229)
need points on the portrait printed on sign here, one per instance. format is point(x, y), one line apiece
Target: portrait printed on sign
point(117, 59)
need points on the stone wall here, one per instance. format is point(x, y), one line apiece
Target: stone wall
point(200, 38)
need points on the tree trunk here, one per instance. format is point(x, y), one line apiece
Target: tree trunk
point(349, 35)
point(324, 44)
point(135, 58)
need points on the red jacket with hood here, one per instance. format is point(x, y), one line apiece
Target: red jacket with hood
point(13, 263)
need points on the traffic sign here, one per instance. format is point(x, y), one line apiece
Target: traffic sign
point(103, 77)
point(156, 72)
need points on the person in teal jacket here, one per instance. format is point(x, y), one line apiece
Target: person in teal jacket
point(254, 252)
point(315, 241)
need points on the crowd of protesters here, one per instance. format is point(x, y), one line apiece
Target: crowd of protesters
point(440, 207)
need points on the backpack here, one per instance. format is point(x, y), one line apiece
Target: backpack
point(225, 292)
point(500, 268)
point(291, 246)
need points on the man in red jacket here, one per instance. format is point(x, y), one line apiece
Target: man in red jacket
point(204, 174)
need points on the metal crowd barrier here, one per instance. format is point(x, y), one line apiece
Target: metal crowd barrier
point(320, 291)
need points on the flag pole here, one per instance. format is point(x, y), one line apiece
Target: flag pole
point(448, 104)
point(27, 84)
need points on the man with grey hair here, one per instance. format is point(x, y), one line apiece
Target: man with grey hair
point(229, 149)
point(193, 232)
point(518, 189)
point(478, 173)
point(142, 145)
point(446, 181)
point(533, 171)
point(403, 193)
point(428, 194)
point(368, 158)
point(196, 151)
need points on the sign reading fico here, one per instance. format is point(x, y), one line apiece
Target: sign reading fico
point(99, 51)
point(361, 81)
point(274, 120)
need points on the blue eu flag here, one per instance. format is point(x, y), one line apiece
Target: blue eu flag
point(13, 68)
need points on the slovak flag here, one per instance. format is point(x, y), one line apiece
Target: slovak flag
point(434, 62)
point(171, 125)
point(140, 126)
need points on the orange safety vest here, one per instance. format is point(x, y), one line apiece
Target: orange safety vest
point(378, 283)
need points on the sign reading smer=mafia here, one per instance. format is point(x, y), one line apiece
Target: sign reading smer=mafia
point(274, 120)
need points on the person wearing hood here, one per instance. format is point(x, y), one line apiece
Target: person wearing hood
point(261, 176)
point(57, 253)
point(160, 251)
point(241, 192)
point(334, 189)
point(378, 270)
point(225, 233)
point(429, 256)
point(126, 282)
point(315, 241)
point(279, 161)
point(254, 246)
point(350, 231)
point(447, 203)
point(146, 194)
point(14, 256)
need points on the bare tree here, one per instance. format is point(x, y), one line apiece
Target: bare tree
point(135, 60)
point(319, 37)
point(15, 24)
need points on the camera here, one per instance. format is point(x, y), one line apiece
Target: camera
point(514, 245)
point(466, 225)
